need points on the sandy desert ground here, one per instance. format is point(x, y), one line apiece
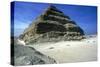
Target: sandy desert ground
point(70, 51)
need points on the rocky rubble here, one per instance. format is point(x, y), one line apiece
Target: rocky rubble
point(25, 55)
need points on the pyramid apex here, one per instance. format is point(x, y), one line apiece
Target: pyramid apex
point(54, 8)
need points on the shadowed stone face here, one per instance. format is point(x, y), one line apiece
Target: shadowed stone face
point(47, 27)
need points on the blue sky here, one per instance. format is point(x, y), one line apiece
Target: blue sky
point(26, 12)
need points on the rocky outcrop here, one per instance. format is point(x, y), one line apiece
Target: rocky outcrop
point(51, 26)
point(25, 55)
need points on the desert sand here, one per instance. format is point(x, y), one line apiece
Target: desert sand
point(70, 51)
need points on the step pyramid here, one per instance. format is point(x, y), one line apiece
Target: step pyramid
point(52, 26)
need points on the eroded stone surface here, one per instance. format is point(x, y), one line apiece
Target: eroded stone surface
point(52, 25)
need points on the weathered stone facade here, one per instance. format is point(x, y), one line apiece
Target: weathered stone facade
point(50, 26)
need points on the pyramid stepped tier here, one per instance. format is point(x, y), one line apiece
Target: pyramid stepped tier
point(47, 27)
point(52, 26)
point(56, 18)
point(49, 12)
